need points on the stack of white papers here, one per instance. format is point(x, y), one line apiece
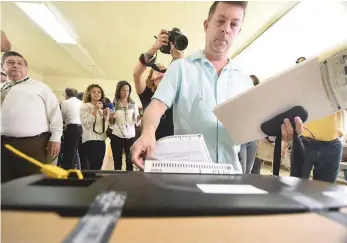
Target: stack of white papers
point(318, 86)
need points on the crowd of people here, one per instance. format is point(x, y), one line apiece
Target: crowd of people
point(178, 99)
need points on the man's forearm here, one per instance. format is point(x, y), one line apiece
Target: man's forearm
point(152, 116)
point(152, 51)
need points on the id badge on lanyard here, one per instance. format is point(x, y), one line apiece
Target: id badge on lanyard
point(126, 129)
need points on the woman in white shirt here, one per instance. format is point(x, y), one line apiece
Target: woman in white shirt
point(124, 119)
point(94, 121)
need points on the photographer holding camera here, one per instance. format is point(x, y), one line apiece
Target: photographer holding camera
point(95, 118)
point(146, 86)
point(196, 84)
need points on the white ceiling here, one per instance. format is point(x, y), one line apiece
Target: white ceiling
point(113, 34)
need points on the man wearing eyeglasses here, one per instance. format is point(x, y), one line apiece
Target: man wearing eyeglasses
point(31, 120)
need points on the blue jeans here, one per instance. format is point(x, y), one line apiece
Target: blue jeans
point(323, 157)
point(248, 153)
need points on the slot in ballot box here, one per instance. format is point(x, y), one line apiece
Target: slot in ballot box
point(153, 195)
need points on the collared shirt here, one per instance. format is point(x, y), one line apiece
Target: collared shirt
point(126, 119)
point(92, 132)
point(29, 109)
point(70, 109)
point(192, 85)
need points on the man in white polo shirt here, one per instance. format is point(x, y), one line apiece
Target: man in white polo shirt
point(31, 120)
point(70, 109)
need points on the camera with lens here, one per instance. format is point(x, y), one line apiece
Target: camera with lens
point(179, 40)
point(105, 105)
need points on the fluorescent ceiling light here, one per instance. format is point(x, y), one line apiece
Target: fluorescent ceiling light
point(47, 21)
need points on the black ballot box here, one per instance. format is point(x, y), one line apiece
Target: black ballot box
point(150, 194)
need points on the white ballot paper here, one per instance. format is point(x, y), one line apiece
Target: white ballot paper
point(184, 154)
point(318, 86)
point(181, 148)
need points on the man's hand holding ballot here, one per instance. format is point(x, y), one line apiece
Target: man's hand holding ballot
point(288, 131)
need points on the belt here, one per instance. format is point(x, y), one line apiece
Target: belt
point(312, 140)
point(13, 138)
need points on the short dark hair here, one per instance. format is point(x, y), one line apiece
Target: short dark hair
point(80, 95)
point(255, 80)
point(242, 4)
point(70, 92)
point(300, 59)
point(11, 54)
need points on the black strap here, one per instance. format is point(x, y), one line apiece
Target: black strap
point(103, 125)
point(272, 127)
point(142, 59)
point(156, 68)
point(150, 63)
point(298, 156)
point(5, 87)
point(276, 165)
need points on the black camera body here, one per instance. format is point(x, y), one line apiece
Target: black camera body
point(105, 105)
point(179, 40)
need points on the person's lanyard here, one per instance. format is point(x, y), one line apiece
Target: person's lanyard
point(10, 84)
point(125, 110)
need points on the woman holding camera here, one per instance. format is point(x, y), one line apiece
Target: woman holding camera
point(94, 118)
point(124, 119)
point(146, 86)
